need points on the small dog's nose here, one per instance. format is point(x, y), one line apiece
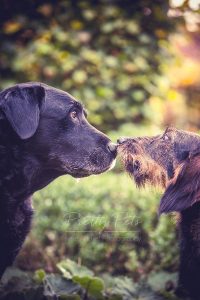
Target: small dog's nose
point(112, 147)
point(122, 140)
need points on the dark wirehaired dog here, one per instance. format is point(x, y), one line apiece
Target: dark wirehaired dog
point(172, 161)
point(44, 134)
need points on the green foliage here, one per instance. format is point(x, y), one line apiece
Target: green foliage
point(158, 281)
point(93, 286)
point(19, 285)
point(56, 286)
point(108, 55)
point(69, 269)
point(39, 275)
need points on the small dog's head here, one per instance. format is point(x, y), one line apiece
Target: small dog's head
point(169, 160)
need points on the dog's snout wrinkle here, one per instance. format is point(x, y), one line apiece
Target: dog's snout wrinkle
point(123, 140)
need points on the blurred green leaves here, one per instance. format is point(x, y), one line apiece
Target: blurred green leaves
point(102, 53)
point(92, 285)
point(69, 269)
point(19, 285)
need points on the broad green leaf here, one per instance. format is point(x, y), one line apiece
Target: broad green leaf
point(55, 285)
point(158, 281)
point(70, 268)
point(70, 297)
point(39, 275)
point(94, 286)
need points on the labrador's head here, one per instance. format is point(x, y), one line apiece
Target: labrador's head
point(51, 125)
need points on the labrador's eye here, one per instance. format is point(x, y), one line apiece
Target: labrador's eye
point(73, 114)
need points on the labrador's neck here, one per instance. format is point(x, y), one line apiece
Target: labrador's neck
point(21, 173)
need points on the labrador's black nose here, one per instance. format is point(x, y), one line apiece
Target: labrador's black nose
point(122, 140)
point(112, 147)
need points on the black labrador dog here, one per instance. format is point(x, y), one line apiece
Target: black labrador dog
point(44, 134)
point(172, 161)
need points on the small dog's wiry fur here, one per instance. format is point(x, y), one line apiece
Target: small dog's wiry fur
point(172, 161)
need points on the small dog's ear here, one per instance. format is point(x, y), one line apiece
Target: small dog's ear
point(21, 107)
point(184, 191)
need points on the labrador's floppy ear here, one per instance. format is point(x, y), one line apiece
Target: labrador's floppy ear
point(184, 190)
point(21, 107)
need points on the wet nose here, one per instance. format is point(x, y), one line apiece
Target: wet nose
point(112, 147)
point(122, 140)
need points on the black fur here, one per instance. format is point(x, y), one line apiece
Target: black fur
point(43, 135)
point(189, 269)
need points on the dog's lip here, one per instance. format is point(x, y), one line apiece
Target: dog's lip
point(112, 165)
point(82, 174)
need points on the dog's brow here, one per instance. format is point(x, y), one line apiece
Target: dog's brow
point(77, 105)
point(168, 129)
point(81, 107)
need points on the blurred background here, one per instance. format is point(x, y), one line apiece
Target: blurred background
point(135, 66)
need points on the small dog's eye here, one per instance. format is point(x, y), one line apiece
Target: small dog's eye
point(165, 138)
point(73, 114)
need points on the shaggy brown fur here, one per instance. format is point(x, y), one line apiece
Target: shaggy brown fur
point(172, 161)
point(144, 169)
